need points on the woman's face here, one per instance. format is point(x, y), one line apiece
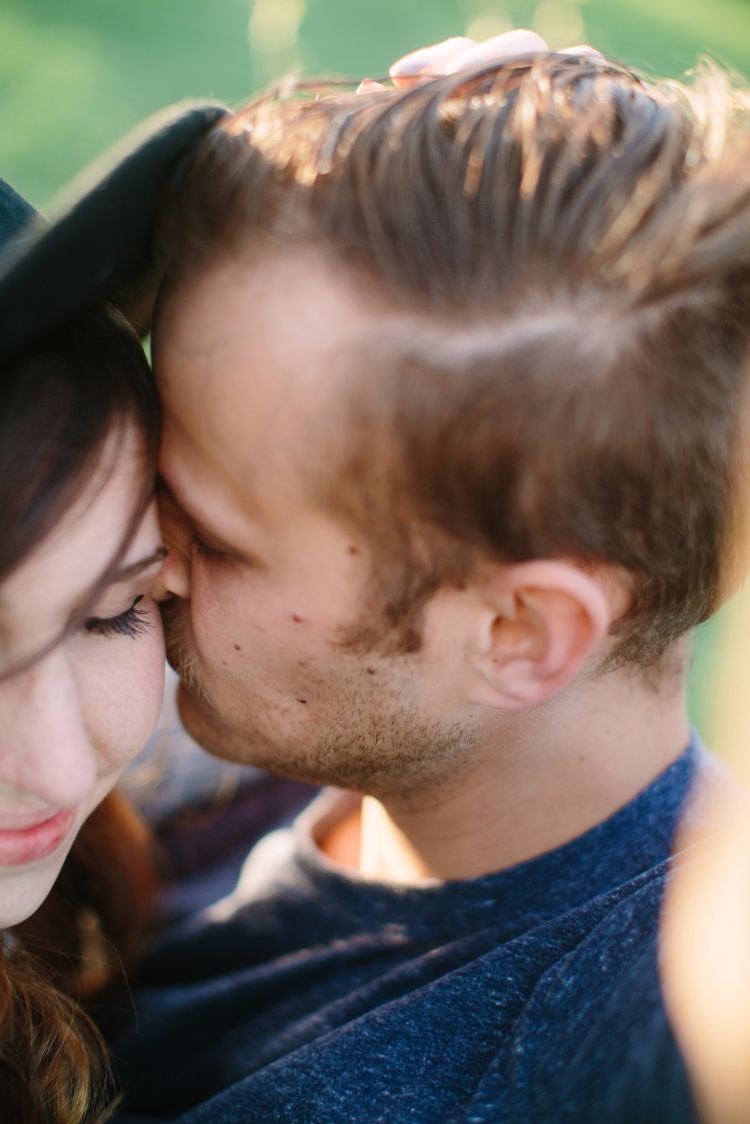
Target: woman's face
point(72, 720)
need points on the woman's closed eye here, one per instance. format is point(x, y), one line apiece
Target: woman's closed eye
point(133, 622)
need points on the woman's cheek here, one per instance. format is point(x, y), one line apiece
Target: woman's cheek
point(122, 686)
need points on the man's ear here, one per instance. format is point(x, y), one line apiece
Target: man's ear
point(542, 620)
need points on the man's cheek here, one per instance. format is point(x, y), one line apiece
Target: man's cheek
point(224, 641)
point(208, 616)
point(230, 618)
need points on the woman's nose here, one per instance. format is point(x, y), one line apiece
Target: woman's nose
point(44, 747)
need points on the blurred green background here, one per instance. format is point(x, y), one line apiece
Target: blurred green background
point(76, 74)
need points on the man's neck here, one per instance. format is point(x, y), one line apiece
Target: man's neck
point(550, 776)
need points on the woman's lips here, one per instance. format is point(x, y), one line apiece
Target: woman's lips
point(28, 844)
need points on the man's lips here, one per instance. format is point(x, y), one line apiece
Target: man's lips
point(30, 842)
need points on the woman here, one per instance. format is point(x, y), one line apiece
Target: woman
point(81, 646)
point(82, 675)
point(81, 678)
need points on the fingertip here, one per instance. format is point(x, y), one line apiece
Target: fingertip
point(505, 46)
point(433, 59)
point(369, 85)
point(409, 66)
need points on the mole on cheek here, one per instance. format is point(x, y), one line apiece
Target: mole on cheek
point(354, 550)
point(296, 619)
point(237, 648)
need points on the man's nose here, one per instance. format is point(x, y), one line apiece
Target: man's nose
point(174, 576)
point(44, 746)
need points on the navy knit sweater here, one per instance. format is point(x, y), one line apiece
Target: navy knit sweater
point(528, 995)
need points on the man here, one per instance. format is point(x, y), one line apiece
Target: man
point(451, 380)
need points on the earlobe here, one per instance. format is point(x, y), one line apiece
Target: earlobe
point(549, 617)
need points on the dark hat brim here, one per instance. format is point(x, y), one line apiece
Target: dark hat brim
point(99, 246)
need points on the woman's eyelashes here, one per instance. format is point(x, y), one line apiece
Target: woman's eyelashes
point(133, 622)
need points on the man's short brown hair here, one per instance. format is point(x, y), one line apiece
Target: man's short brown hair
point(574, 246)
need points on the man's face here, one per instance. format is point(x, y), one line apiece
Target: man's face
point(246, 359)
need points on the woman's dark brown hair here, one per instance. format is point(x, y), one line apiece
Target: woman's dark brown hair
point(61, 401)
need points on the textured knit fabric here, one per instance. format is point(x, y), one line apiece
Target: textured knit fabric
point(526, 995)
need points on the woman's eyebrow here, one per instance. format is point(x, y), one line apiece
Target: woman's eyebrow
point(136, 568)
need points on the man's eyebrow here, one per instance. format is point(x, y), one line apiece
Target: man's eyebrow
point(136, 568)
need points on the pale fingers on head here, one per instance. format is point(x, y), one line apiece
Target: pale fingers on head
point(506, 46)
point(454, 55)
point(428, 62)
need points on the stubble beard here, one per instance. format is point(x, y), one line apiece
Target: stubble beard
point(373, 739)
point(199, 717)
point(180, 656)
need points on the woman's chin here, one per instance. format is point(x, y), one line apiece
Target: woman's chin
point(30, 861)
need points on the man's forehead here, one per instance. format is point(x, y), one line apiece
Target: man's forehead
point(297, 307)
point(249, 355)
